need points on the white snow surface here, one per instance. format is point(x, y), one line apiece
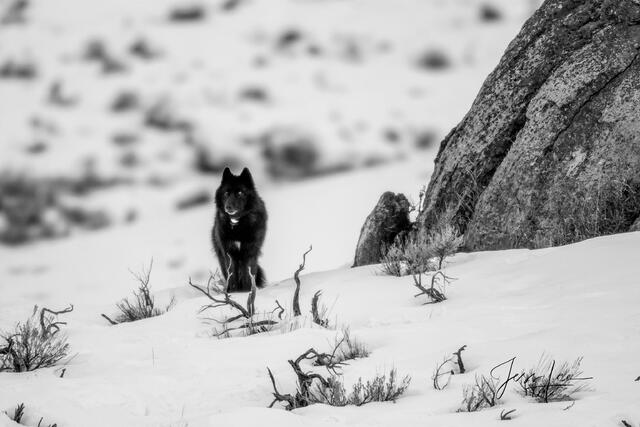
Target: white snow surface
point(567, 302)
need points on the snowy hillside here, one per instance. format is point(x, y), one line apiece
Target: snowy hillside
point(567, 302)
point(118, 117)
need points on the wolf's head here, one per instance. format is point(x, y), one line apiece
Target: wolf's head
point(236, 194)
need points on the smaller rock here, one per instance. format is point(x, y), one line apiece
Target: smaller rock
point(389, 218)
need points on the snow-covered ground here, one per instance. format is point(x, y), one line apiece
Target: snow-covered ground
point(567, 302)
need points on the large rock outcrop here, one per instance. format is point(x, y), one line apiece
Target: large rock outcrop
point(389, 218)
point(550, 151)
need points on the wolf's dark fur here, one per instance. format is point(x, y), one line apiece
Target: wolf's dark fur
point(239, 230)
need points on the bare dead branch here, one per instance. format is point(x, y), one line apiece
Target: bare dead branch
point(219, 300)
point(251, 300)
point(434, 294)
point(279, 309)
point(219, 297)
point(52, 325)
point(506, 415)
point(108, 319)
point(278, 397)
point(304, 394)
point(439, 373)
point(458, 355)
point(296, 278)
point(315, 312)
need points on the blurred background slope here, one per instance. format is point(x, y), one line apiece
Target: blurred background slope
point(112, 111)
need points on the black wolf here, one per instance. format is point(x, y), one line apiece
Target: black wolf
point(239, 229)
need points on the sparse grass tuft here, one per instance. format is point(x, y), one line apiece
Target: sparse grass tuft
point(382, 388)
point(350, 348)
point(607, 209)
point(18, 413)
point(483, 394)
point(549, 382)
point(143, 304)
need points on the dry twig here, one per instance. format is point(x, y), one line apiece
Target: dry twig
point(458, 355)
point(506, 415)
point(296, 278)
point(434, 294)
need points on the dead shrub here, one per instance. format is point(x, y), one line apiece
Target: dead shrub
point(446, 369)
point(162, 115)
point(194, 199)
point(349, 348)
point(97, 51)
point(255, 94)
point(14, 12)
point(24, 202)
point(290, 153)
point(393, 261)
point(32, 208)
point(245, 319)
point(328, 389)
point(143, 49)
point(142, 306)
point(382, 388)
point(188, 13)
point(433, 60)
point(207, 162)
point(407, 257)
point(289, 38)
point(490, 13)
point(125, 101)
point(426, 139)
point(18, 70)
point(549, 382)
point(483, 394)
point(36, 343)
point(444, 241)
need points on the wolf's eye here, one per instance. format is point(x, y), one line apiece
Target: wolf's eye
point(240, 193)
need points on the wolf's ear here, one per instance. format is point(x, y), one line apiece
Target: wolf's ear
point(226, 175)
point(246, 177)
